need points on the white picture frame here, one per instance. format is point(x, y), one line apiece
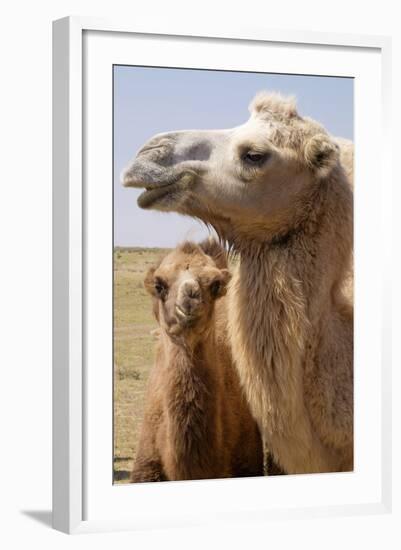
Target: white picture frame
point(77, 482)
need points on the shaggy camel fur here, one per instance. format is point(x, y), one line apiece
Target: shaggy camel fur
point(197, 423)
point(276, 190)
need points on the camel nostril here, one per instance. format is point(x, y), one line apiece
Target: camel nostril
point(193, 294)
point(188, 300)
point(190, 290)
point(159, 145)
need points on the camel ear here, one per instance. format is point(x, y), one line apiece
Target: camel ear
point(149, 281)
point(213, 249)
point(321, 154)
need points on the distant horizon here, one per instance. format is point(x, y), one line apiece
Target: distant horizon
point(148, 100)
point(129, 247)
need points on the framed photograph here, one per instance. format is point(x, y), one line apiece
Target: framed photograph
point(221, 331)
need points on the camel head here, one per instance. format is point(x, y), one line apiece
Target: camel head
point(185, 286)
point(254, 179)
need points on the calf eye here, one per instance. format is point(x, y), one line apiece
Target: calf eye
point(215, 288)
point(160, 287)
point(254, 158)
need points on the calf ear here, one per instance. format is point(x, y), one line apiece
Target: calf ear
point(321, 154)
point(213, 249)
point(149, 281)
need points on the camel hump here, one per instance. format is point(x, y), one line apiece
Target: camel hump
point(347, 157)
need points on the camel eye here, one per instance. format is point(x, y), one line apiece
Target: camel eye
point(215, 288)
point(160, 287)
point(253, 158)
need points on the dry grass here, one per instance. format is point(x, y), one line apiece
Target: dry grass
point(133, 351)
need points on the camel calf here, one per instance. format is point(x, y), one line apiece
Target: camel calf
point(197, 424)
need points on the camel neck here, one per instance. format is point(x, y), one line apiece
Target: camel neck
point(197, 355)
point(281, 296)
point(192, 399)
point(310, 261)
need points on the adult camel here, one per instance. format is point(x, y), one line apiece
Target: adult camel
point(276, 190)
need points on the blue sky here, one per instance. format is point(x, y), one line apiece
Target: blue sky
point(150, 100)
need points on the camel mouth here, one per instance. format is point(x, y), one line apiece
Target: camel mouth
point(152, 194)
point(158, 190)
point(185, 318)
point(144, 181)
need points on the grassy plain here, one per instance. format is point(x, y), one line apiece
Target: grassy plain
point(134, 348)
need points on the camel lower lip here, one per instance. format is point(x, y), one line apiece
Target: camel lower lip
point(185, 318)
point(183, 314)
point(151, 195)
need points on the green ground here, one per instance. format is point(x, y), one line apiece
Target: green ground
point(133, 351)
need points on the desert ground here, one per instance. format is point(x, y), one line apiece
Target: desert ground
point(134, 348)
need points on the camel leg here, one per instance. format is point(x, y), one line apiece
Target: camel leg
point(271, 466)
point(147, 470)
point(248, 456)
point(303, 452)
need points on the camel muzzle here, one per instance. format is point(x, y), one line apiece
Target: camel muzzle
point(145, 173)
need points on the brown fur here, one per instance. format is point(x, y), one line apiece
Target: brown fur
point(197, 424)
